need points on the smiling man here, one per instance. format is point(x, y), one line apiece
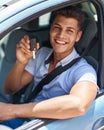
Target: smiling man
point(71, 93)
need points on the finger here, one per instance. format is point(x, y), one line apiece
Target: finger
point(25, 41)
point(23, 48)
point(25, 52)
point(37, 45)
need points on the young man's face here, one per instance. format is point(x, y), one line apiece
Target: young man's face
point(63, 34)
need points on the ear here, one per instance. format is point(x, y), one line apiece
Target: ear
point(79, 36)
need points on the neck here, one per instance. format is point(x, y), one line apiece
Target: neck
point(59, 56)
point(56, 58)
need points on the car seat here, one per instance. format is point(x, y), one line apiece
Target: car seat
point(8, 59)
point(89, 40)
point(89, 32)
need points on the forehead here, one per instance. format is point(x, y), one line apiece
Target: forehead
point(65, 22)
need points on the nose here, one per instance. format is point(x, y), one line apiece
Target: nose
point(61, 34)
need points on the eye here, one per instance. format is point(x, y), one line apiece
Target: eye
point(70, 31)
point(56, 28)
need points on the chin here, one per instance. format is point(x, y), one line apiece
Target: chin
point(59, 51)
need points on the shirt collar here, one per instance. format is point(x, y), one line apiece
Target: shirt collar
point(49, 57)
point(64, 61)
point(70, 57)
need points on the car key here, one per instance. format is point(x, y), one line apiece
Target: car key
point(32, 46)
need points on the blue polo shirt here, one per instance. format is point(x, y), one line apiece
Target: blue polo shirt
point(62, 84)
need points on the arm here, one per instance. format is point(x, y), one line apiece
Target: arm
point(62, 107)
point(18, 77)
point(72, 105)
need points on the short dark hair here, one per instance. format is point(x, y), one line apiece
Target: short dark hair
point(71, 12)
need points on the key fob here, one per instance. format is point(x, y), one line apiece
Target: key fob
point(32, 44)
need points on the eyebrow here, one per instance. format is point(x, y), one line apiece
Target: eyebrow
point(67, 27)
point(71, 28)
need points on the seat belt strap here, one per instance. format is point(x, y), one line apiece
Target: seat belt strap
point(57, 71)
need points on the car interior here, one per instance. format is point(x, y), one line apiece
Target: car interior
point(39, 28)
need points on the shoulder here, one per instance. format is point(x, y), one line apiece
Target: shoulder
point(86, 63)
point(83, 66)
point(83, 71)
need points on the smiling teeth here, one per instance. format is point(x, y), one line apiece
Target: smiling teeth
point(60, 42)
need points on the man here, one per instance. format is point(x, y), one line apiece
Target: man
point(71, 93)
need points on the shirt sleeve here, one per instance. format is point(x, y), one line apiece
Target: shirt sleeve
point(85, 72)
point(30, 67)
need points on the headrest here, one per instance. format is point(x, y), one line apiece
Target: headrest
point(11, 40)
point(89, 32)
point(31, 26)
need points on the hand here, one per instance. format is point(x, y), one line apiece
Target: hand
point(6, 112)
point(23, 52)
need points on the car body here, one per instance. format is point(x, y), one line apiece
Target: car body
point(14, 15)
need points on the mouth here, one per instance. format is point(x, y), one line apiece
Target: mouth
point(60, 42)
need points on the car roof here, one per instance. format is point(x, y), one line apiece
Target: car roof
point(4, 2)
